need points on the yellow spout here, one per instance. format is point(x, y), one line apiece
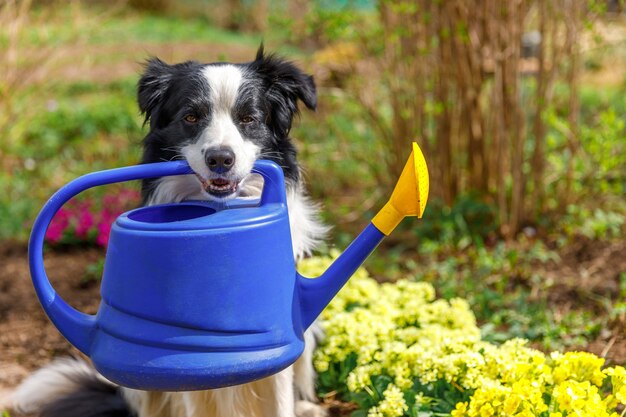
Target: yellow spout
point(409, 196)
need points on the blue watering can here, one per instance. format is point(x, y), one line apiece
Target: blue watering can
point(200, 296)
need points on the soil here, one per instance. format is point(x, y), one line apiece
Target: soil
point(586, 273)
point(27, 338)
point(589, 276)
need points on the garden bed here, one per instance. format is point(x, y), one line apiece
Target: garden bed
point(27, 338)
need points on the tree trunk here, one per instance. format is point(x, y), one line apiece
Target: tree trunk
point(573, 21)
point(539, 126)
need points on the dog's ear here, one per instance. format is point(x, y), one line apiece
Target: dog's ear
point(286, 84)
point(152, 85)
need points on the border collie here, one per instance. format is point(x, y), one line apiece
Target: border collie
point(221, 118)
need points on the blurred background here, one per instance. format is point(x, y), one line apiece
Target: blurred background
point(519, 107)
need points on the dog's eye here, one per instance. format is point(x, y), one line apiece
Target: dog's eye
point(190, 118)
point(247, 119)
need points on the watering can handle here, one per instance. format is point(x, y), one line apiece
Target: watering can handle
point(78, 327)
point(274, 185)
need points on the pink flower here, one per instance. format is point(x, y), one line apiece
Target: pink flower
point(110, 201)
point(104, 230)
point(54, 232)
point(58, 225)
point(80, 219)
point(123, 200)
point(84, 223)
point(104, 227)
point(129, 196)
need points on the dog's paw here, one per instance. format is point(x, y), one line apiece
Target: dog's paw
point(309, 409)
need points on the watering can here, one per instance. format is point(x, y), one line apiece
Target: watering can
point(197, 295)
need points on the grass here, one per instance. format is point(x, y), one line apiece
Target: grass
point(120, 25)
point(82, 128)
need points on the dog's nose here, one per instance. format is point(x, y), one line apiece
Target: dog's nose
point(220, 160)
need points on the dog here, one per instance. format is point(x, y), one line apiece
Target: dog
point(220, 118)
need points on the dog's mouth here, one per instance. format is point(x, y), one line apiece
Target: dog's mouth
point(219, 187)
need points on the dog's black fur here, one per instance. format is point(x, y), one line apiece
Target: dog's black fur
point(95, 399)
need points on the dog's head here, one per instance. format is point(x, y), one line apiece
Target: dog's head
point(221, 118)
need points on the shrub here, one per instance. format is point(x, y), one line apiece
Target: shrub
point(592, 224)
point(396, 350)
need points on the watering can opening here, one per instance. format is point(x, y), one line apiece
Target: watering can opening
point(170, 213)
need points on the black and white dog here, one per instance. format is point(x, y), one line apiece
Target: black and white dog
point(221, 118)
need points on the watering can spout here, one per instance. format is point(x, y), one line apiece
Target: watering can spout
point(407, 199)
point(409, 195)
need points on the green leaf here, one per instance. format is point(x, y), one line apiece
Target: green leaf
point(380, 383)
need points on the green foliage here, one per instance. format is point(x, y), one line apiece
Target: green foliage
point(123, 26)
point(593, 160)
point(618, 310)
point(539, 323)
point(93, 272)
point(605, 148)
point(507, 293)
point(325, 22)
point(334, 379)
point(329, 24)
point(468, 221)
point(437, 398)
point(600, 160)
point(340, 148)
point(597, 208)
point(406, 353)
point(66, 124)
point(82, 112)
point(155, 28)
point(503, 283)
point(592, 223)
point(81, 128)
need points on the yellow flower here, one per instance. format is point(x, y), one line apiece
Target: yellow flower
point(511, 404)
point(393, 403)
point(580, 398)
point(578, 366)
point(401, 331)
point(374, 412)
point(618, 381)
point(460, 410)
point(487, 410)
